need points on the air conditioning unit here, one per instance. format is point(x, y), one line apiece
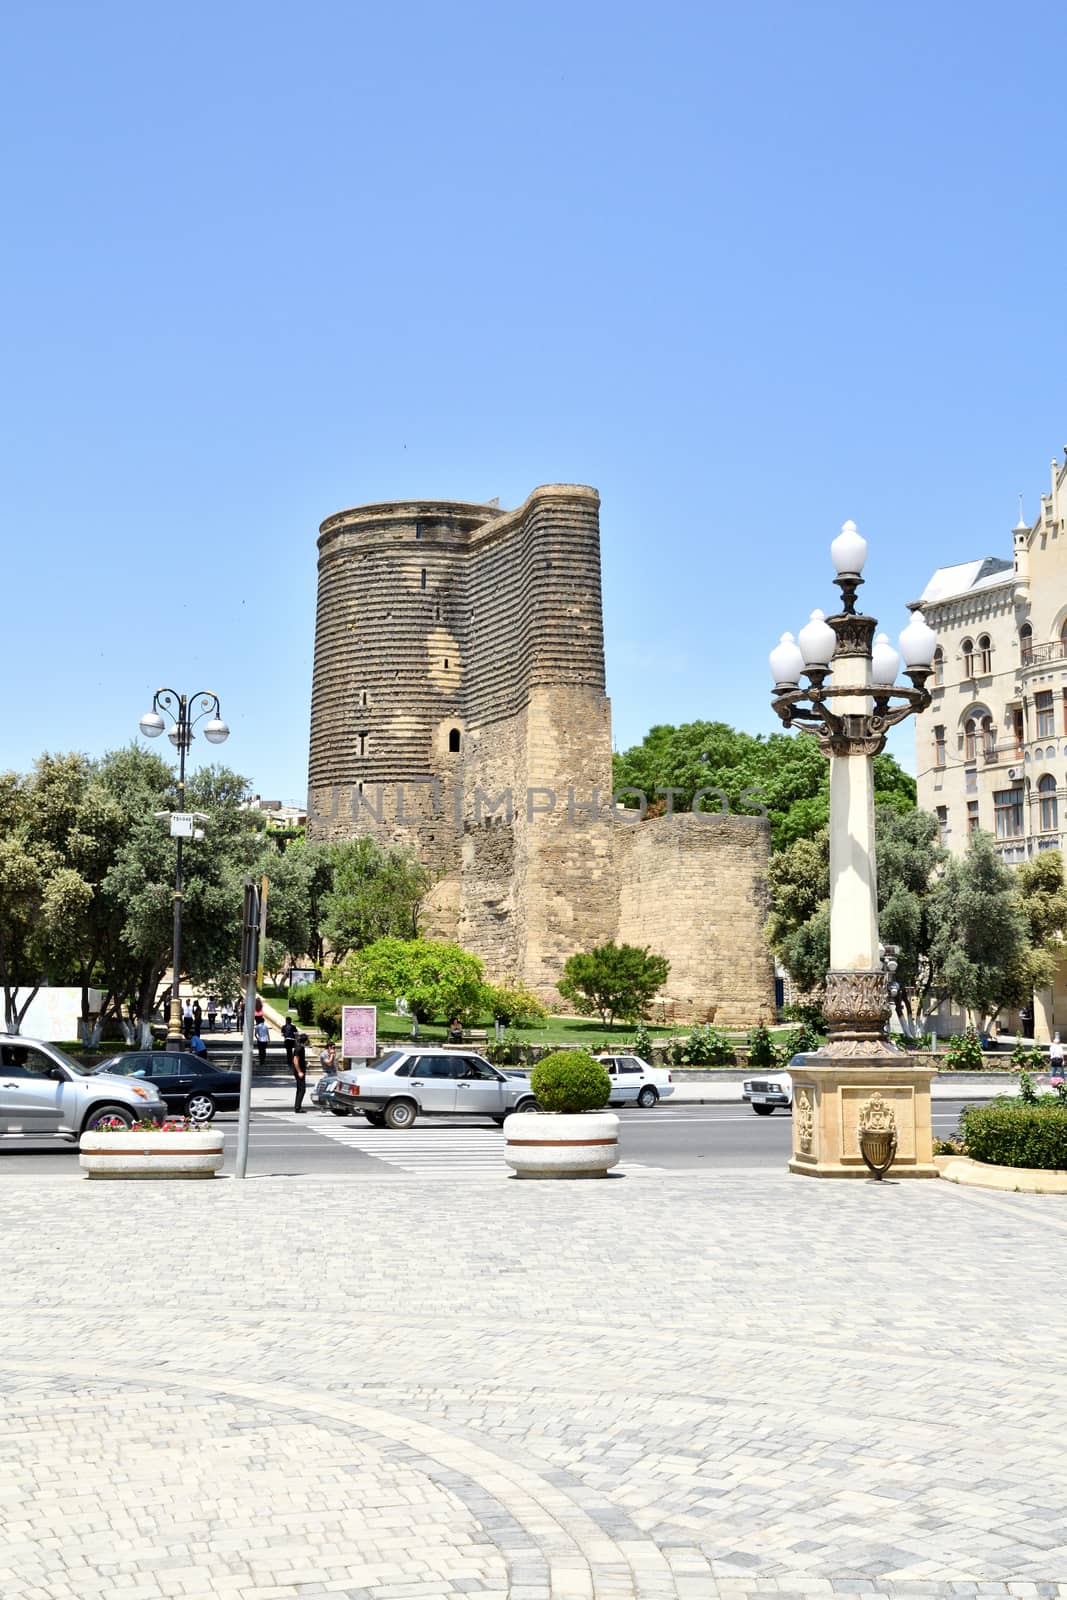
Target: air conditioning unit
point(1013, 772)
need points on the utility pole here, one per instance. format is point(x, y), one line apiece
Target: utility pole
point(249, 961)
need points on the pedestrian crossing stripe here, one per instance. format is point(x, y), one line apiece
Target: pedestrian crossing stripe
point(450, 1152)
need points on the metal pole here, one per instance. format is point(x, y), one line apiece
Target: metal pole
point(249, 942)
point(244, 1113)
point(175, 1037)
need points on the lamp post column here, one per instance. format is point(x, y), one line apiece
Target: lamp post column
point(185, 711)
point(858, 1101)
point(175, 1036)
point(857, 997)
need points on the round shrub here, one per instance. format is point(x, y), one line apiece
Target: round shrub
point(963, 1053)
point(570, 1080)
point(1010, 1134)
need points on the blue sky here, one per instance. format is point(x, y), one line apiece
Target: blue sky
point(750, 269)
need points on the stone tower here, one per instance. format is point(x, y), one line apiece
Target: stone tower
point(459, 661)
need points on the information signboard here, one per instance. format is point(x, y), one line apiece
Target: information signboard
point(359, 1033)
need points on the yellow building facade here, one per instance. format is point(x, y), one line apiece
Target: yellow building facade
point(991, 751)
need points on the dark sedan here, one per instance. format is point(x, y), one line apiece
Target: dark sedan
point(187, 1083)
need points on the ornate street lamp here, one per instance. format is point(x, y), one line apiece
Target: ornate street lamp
point(850, 701)
point(180, 709)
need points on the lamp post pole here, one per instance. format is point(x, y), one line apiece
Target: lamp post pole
point(850, 716)
point(179, 708)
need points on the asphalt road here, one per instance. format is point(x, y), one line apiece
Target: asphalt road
point(694, 1138)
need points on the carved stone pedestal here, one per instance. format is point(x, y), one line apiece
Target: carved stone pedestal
point(835, 1096)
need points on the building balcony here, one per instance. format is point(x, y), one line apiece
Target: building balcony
point(1039, 655)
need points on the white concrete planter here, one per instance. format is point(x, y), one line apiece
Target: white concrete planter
point(541, 1144)
point(151, 1154)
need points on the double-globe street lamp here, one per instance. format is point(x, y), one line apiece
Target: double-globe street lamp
point(850, 701)
point(184, 712)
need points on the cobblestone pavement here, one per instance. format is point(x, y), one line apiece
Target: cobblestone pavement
point(671, 1388)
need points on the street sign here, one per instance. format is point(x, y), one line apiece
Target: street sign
point(182, 824)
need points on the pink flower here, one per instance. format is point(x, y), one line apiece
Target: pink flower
point(1056, 1083)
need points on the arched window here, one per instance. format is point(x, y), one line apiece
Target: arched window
point(1026, 644)
point(1048, 805)
point(989, 738)
point(453, 741)
point(967, 651)
point(970, 739)
point(939, 667)
point(985, 653)
point(939, 746)
point(1063, 639)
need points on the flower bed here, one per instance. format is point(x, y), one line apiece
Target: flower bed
point(175, 1148)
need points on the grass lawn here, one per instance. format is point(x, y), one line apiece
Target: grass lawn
point(587, 1031)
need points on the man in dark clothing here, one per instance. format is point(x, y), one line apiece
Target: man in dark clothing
point(299, 1064)
point(289, 1038)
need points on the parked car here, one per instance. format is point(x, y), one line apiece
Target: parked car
point(186, 1082)
point(405, 1084)
point(769, 1089)
point(636, 1082)
point(44, 1094)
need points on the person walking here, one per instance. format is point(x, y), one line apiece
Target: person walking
point(198, 1017)
point(289, 1038)
point(262, 1037)
point(328, 1060)
point(258, 1012)
point(1055, 1056)
point(300, 1070)
point(239, 1015)
point(187, 1019)
point(212, 1013)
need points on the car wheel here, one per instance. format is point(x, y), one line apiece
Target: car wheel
point(500, 1121)
point(375, 1118)
point(527, 1105)
point(763, 1111)
point(104, 1118)
point(648, 1097)
point(340, 1111)
point(200, 1108)
point(400, 1114)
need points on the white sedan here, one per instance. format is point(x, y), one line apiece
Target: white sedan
point(768, 1090)
point(636, 1082)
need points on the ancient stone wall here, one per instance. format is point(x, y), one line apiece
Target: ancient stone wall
point(459, 707)
point(695, 890)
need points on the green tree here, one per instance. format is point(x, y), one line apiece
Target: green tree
point(980, 942)
point(1043, 894)
point(375, 893)
point(785, 772)
point(613, 981)
point(438, 979)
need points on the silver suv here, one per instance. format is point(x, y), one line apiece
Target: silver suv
point(44, 1094)
point(436, 1083)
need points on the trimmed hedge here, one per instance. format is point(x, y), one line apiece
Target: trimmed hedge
point(1009, 1134)
point(570, 1080)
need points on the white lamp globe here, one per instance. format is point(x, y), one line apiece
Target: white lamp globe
point(918, 641)
point(787, 663)
point(151, 724)
point(885, 662)
point(849, 550)
point(817, 640)
point(216, 731)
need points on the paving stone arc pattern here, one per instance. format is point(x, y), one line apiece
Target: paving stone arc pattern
point(738, 1387)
